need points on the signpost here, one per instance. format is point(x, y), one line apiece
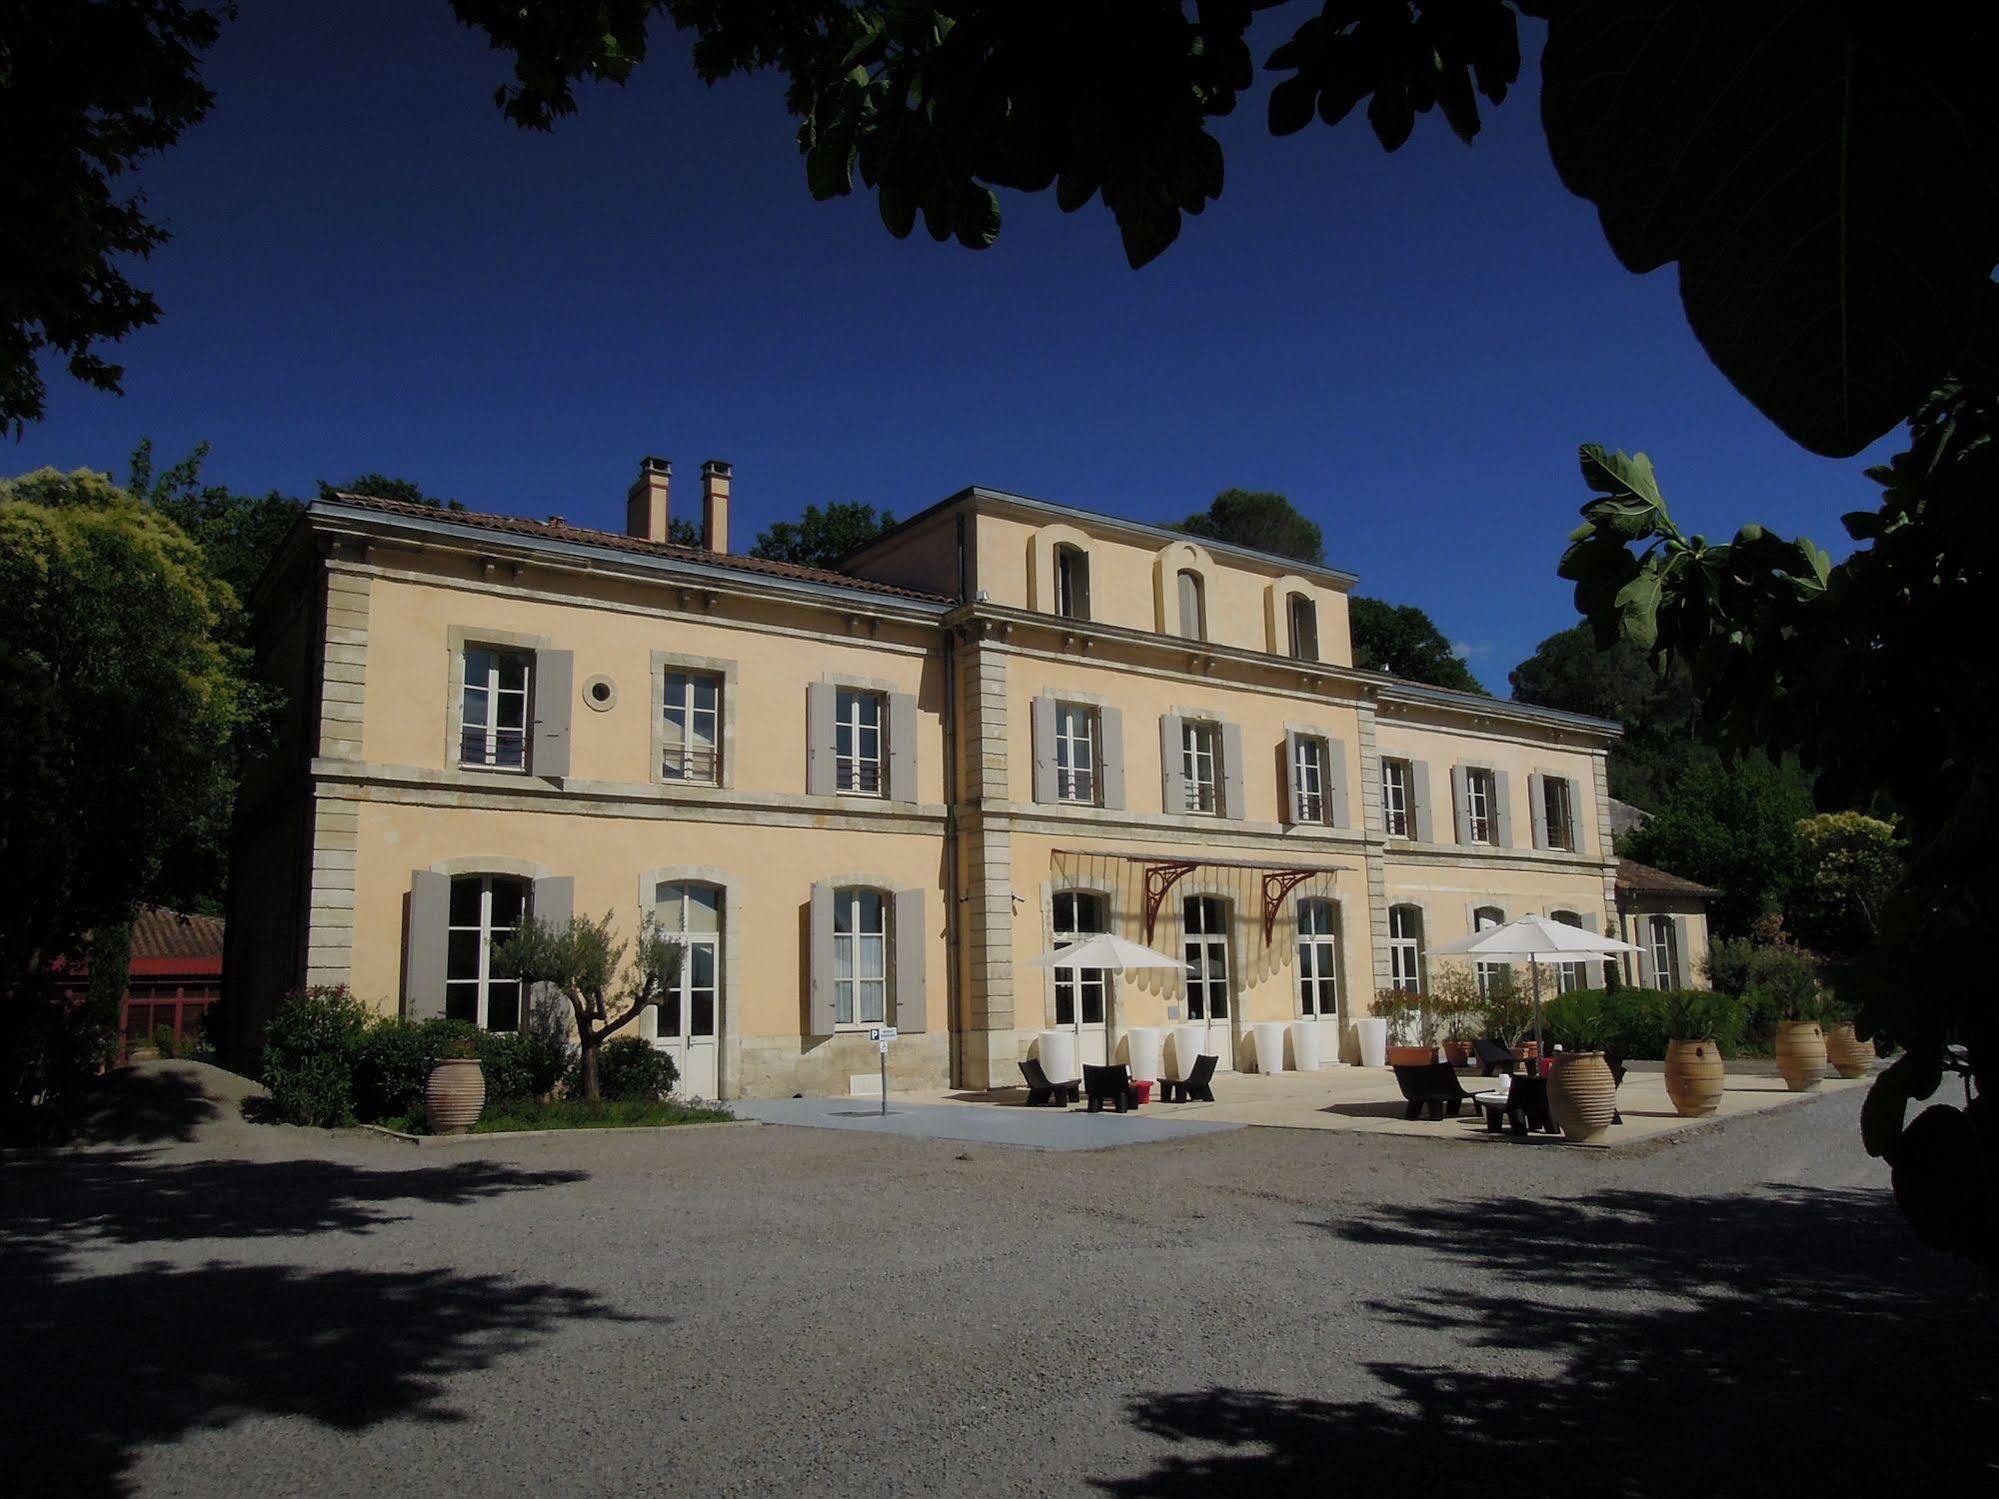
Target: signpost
point(881, 1035)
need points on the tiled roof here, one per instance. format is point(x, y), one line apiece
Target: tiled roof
point(158, 933)
point(1643, 879)
point(520, 525)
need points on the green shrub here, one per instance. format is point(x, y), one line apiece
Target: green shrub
point(309, 1054)
point(392, 1062)
point(628, 1070)
point(522, 1067)
point(162, 1041)
point(1578, 1020)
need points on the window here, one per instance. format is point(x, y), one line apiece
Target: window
point(1481, 806)
point(1193, 606)
point(1206, 953)
point(1072, 582)
point(1318, 959)
point(485, 911)
point(1201, 765)
point(691, 739)
point(1569, 976)
point(1491, 975)
point(1304, 617)
point(690, 913)
point(494, 724)
point(1080, 993)
point(1308, 778)
point(857, 743)
point(860, 957)
point(1665, 953)
point(1076, 753)
point(1558, 808)
point(1395, 798)
point(1405, 948)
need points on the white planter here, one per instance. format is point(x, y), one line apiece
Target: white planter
point(1189, 1041)
point(1268, 1038)
point(1304, 1045)
point(1145, 1050)
point(1372, 1033)
point(1058, 1056)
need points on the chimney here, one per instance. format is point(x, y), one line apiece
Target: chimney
point(715, 476)
point(645, 502)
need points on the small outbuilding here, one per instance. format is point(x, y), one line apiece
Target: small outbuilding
point(1666, 917)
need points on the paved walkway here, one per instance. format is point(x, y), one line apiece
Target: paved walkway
point(990, 1124)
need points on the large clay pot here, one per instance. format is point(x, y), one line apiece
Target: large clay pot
point(1801, 1054)
point(1411, 1056)
point(1694, 1077)
point(1582, 1095)
point(455, 1094)
point(1850, 1056)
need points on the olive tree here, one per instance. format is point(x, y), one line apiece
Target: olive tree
point(584, 962)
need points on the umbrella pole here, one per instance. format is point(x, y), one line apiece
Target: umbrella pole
point(1540, 1047)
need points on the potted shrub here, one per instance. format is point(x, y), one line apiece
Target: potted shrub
point(1412, 1027)
point(1850, 1056)
point(1801, 1054)
point(1694, 1020)
point(1582, 1092)
point(1509, 1016)
point(1460, 1012)
point(456, 1092)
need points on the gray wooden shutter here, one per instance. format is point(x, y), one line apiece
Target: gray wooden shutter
point(1537, 807)
point(553, 902)
point(1336, 784)
point(1460, 804)
point(1079, 584)
point(1575, 844)
point(1683, 952)
point(902, 746)
point(554, 687)
point(1232, 795)
point(1502, 808)
point(819, 741)
point(1110, 727)
point(423, 966)
point(1644, 952)
point(1172, 769)
point(1043, 714)
point(1287, 783)
point(911, 1004)
point(1419, 800)
point(819, 958)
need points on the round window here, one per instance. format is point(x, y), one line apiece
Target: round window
point(600, 693)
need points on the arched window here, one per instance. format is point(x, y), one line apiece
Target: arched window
point(1193, 606)
point(486, 909)
point(1491, 975)
point(1405, 948)
point(1072, 582)
point(1569, 976)
point(1206, 951)
point(860, 956)
point(1080, 993)
point(1318, 959)
point(1304, 620)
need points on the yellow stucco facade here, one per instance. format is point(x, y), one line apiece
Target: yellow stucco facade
point(876, 796)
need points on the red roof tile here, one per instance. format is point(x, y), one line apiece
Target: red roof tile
point(158, 933)
point(1643, 879)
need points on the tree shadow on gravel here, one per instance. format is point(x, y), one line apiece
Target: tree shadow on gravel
point(1764, 1344)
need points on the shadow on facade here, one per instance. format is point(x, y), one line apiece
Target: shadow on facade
point(1631, 1343)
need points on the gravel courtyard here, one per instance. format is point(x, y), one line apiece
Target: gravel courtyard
point(204, 1306)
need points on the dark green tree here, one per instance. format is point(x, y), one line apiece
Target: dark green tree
point(1848, 867)
point(238, 533)
point(387, 487)
point(1570, 671)
point(1403, 640)
point(596, 973)
point(820, 538)
point(682, 532)
point(1261, 521)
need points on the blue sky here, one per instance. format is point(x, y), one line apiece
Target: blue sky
point(372, 271)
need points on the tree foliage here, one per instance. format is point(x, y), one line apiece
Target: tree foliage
point(1261, 521)
point(237, 533)
point(387, 487)
point(820, 538)
point(1571, 671)
point(1848, 867)
point(89, 90)
point(587, 965)
point(1403, 640)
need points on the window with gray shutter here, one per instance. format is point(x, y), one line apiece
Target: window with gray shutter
point(1234, 803)
point(424, 963)
point(911, 1002)
point(819, 963)
point(554, 687)
point(1110, 722)
point(902, 746)
point(819, 748)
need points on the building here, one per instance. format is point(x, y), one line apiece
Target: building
point(174, 978)
point(1665, 917)
point(872, 795)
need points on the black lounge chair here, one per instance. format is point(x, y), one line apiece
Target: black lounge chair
point(1431, 1088)
point(1102, 1085)
point(1041, 1091)
point(1525, 1108)
point(1493, 1056)
point(1195, 1085)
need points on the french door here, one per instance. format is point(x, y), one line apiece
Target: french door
point(1206, 951)
point(1082, 995)
point(690, 1012)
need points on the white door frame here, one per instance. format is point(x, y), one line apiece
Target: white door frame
point(1220, 1029)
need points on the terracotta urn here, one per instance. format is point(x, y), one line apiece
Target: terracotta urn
point(455, 1094)
point(1850, 1056)
point(1694, 1076)
point(1582, 1095)
point(1411, 1056)
point(1801, 1054)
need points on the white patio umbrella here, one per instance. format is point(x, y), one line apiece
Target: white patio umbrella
point(1535, 938)
point(1104, 951)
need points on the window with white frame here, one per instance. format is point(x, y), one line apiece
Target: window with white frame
point(1201, 765)
point(691, 727)
point(485, 911)
point(1395, 800)
point(1405, 948)
point(1490, 975)
point(1481, 806)
point(857, 741)
point(1318, 959)
point(1072, 582)
point(1558, 805)
point(860, 957)
point(1304, 620)
point(1076, 753)
point(1308, 778)
point(1080, 993)
point(493, 721)
point(1193, 605)
point(1665, 944)
point(1569, 976)
point(690, 912)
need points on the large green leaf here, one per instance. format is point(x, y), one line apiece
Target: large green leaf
point(1826, 176)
